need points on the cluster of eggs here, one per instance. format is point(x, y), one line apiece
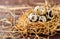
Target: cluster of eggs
point(43, 16)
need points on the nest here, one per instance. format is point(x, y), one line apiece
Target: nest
point(23, 28)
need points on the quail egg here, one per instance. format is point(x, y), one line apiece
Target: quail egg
point(39, 9)
point(42, 19)
point(33, 17)
point(50, 14)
